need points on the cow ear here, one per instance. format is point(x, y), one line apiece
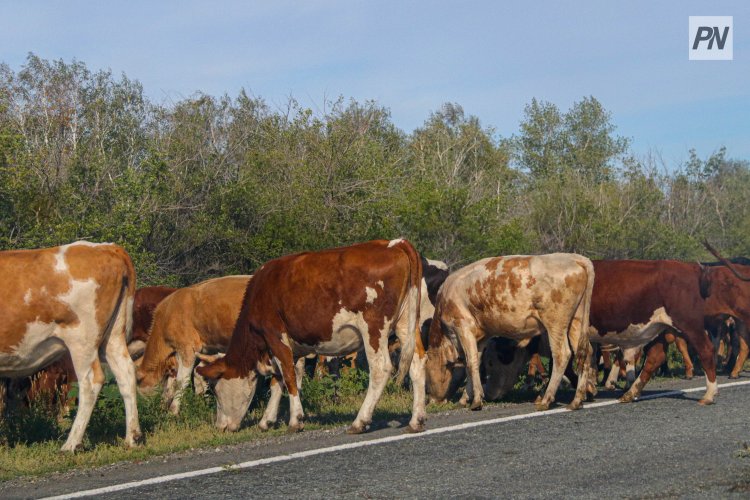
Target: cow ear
point(212, 371)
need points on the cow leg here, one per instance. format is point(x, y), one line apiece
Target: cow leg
point(272, 409)
point(282, 354)
point(656, 354)
point(119, 361)
point(380, 370)
point(741, 331)
point(629, 356)
point(561, 354)
point(614, 374)
point(90, 379)
point(682, 347)
point(468, 335)
point(299, 372)
point(185, 364)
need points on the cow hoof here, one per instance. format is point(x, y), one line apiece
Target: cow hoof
point(688, 376)
point(574, 405)
point(610, 387)
point(706, 402)
point(71, 449)
point(414, 429)
point(476, 406)
point(734, 377)
point(541, 406)
point(355, 429)
point(264, 426)
point(135, 442)
point(295, 428)
point(626, 398)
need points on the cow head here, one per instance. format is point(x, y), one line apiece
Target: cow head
point(233, 393)
point(502, 361)
point(442, 359)
point(148, 377)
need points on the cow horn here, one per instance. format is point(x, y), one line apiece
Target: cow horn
point(724, 261)
point(209, 358)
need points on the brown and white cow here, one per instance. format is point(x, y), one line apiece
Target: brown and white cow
point(330, 302)
point(198, 318)
point(516, 297)
point(76, 298)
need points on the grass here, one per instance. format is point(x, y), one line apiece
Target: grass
point(30, 438)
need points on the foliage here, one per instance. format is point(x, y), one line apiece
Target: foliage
point(210, 186)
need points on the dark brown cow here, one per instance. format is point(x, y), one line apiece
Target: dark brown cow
point(330, 302)
point(146, 300)
point(75, 298)
point(636, 302)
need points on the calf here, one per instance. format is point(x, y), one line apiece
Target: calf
point(331, 302)
point(76, 298)
point(517, 297)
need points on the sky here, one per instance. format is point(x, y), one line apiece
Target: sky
point(490, 57)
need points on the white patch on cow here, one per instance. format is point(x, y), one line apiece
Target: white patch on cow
point(636, 335)
point(60, 265)
point(27, 297)
point(712, 389)
point(348, 333)
point(37, 348)
point(371, 294)
point(438, 263)
point(395, 242)
point(382, 285)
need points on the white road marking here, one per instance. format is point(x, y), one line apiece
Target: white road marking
point(360, 444)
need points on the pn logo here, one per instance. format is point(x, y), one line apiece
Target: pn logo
point(710, 38)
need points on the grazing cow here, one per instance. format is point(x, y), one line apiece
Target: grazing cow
point(76, 298)
point(146, 300)
point(331, 302)
point(194, 319)
point(516, 297)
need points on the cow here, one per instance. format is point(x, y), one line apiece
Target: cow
point(75, 298)
point(642, 303)
point(198, 318)
point(146, 300)
point(53, 382)
point(516, 297)
point(330, 302)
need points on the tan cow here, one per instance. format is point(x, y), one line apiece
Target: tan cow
point(198, 318)
point(516, 297)
point(76, 298)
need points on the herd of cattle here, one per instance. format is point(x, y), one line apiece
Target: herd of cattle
point(66, 310)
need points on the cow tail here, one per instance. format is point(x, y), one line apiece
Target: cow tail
point(412, 301)
point(582, 350)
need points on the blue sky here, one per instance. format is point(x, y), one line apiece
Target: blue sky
point(490, 57)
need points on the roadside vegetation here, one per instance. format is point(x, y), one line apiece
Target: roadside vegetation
point(206, 186)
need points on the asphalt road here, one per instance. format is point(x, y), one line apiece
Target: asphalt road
point(659, 448)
